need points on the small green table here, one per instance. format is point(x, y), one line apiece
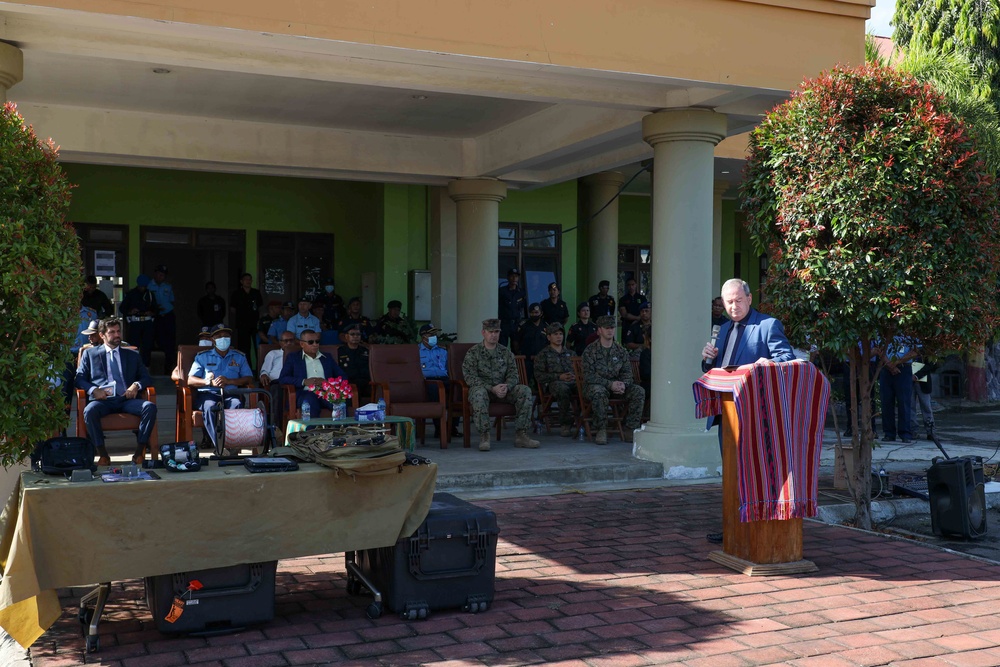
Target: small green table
point(405, 427)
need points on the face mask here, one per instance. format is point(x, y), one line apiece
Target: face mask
point(432, 341)
point(535, 318)
point(222, 344)
point(328, 288)
point(207, 342)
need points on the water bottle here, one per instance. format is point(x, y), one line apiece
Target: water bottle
point(581, 436)
point(381, 408)
point(305, 412)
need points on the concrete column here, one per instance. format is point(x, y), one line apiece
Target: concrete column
point(444, 260)
point(683, 143)
point(602, 231)
point(478, 221)
point(720, 189)
point(11, 68)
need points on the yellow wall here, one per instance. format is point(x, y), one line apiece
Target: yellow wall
point(726, 41)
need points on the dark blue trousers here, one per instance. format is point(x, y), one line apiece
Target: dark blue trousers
point(897, 402)
point(96, 410)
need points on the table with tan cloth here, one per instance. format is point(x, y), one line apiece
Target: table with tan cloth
point(57, 533)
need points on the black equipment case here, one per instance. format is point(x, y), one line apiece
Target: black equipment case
point(450, 561)
point(229, 599)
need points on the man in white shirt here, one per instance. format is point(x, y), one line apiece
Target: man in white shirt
point(270, 371)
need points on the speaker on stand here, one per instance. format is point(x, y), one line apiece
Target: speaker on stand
point(957, 496)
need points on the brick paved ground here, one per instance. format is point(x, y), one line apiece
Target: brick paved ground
point(609, 578)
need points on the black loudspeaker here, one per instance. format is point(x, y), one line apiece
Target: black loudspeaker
point(957, 495)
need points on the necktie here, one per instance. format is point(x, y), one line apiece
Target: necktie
point(734, 338)
point(116, 374)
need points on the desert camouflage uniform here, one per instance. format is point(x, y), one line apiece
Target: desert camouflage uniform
point(601, 367)
point(484, 369)
point(549, 365)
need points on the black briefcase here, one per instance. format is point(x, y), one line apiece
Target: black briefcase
point(61, 456)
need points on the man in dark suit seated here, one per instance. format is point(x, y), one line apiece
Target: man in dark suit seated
point(113, 376)
point(309, 367)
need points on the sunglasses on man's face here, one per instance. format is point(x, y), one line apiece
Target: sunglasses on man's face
point(311, 342)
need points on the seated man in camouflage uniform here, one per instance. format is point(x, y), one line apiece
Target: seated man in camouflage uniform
point(607, 371)
point(554, 374)
point(491, 373)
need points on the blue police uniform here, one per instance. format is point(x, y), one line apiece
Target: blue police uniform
point(233, 365)
point(434, 362)
point(297, 324)
point(165, 322)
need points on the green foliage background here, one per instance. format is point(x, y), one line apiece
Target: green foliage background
point(969, 27)
point(39, 287)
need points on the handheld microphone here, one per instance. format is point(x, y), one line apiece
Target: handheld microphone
point(715, 334)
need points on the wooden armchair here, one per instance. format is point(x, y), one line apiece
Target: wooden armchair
point(292, 410)
point(399, 379)
point(616, 406)
point(458, 399)
point(186, 419)
point(120, 421)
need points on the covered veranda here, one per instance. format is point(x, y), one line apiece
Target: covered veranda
point(469, 102)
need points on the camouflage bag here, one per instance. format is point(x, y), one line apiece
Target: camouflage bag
point(352, 450)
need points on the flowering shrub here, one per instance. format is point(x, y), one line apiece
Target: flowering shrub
point(879, 221)
point(39, 287)
point(333, 390)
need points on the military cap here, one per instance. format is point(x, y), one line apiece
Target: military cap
point(289, 305)
point(512, 271)
point(583, 304)
point(91, 328)
point(162, 268)
point(491, 325)
point(603, 283)
point(206, 332)
point(429, 329)
point(606, 322)
point(221, 328)
point(554, 327)
point(395, 303)
point(353, 326)
point(307, 298)
point(645, 304)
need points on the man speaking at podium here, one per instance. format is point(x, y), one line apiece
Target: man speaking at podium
point(747, 337)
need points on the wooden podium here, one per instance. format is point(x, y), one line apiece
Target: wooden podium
point(755, 548)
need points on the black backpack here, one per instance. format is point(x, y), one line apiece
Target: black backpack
point(61, 456)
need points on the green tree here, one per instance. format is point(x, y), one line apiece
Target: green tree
point(954, 77)
point(880, 223)
point(39, 287)
point(968, 27)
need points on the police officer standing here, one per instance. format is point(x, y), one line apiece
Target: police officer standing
point(531, 338)
point(138, 308)
point(602, 303)
point(165, 322)
point(333, 303)
point(512, 308)
point(216, 370)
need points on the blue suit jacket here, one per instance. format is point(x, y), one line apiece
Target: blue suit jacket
point(763, 336)
point(93, 370)
point(293, 371)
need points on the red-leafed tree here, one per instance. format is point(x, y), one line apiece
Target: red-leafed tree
point(39, 287)
point(880, 224)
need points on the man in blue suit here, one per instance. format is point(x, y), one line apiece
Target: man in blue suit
point(308, 368)
point(748, 336)
point(113, 376)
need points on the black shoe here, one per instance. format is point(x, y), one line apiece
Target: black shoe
point(714, 538)
point(906, 441)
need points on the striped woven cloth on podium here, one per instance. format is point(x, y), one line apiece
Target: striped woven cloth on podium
point(781, 409)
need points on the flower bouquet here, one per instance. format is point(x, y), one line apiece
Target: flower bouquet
point(335, 391)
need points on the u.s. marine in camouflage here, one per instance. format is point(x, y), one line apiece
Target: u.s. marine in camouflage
point(487, 367)
point(551, 367)
point(605, 362)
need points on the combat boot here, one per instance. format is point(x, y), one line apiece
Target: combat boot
point(484, 441)
point(522, 439)
point(601, 438)
point(567, 431)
